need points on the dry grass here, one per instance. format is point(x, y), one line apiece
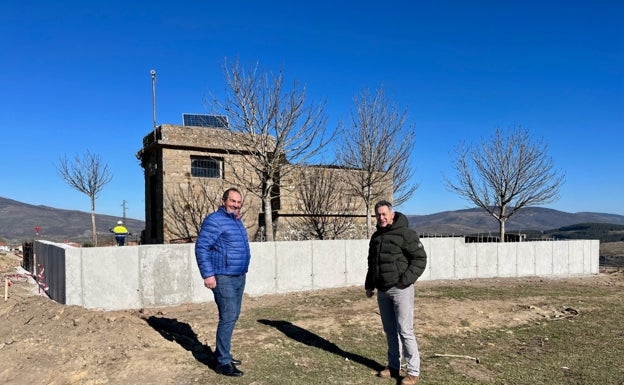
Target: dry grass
point(612, 248)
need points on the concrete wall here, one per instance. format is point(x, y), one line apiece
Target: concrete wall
point(133, 277)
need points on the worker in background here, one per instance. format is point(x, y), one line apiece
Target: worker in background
point(120, 232)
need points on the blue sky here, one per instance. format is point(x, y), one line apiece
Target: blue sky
point(75, 76)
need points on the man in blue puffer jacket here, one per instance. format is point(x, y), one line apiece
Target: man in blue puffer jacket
point(222, 252)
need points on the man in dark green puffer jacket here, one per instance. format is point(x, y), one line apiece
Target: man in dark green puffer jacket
point(396, 258)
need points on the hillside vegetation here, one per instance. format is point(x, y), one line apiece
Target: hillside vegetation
point(605, 232)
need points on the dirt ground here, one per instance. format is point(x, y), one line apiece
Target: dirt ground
point(43, 342)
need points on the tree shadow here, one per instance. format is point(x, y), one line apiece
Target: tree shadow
point(308, 338)
point(182, 333)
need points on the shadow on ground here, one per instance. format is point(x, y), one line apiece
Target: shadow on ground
point(181, 333)
point(308, 338)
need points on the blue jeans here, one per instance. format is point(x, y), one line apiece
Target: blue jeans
point(228, 296)
point(120, 239)
point(396, 307)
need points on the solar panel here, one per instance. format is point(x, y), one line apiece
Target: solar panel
point(217, 121)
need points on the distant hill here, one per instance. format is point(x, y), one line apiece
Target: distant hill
point(474, 221)
point(18, 221)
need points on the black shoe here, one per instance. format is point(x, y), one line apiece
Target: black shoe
point(236, 361)
point(229, 370)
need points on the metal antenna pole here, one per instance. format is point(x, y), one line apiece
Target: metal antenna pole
point(153, 73)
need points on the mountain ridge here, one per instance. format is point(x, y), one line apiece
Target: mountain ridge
point(476, 220)
point(18, 221)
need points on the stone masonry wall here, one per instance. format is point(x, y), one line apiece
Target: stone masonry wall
point(178, 144)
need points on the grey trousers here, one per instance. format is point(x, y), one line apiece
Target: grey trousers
point(396, 307)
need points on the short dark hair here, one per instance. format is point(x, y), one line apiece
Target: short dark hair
point(383, 203)
point(226, 193)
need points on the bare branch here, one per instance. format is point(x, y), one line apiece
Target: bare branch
point(189, 203)
point(326, 214)
point(505, 174)
point(88, 175)
point(279, 129)
point(380, 146)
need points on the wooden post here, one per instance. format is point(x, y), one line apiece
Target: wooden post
point(6, 289)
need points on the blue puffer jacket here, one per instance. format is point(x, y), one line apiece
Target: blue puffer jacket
point(222, 247)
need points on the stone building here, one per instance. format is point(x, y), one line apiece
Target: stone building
point(187, 168)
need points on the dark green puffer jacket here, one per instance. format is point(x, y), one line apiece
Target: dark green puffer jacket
point(395, 255)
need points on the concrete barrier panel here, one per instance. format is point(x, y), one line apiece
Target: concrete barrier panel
point(507, 259)
point(587, 266)
point(130, 277)
point(261, 278)
point(487, 260)
point(199, 292)
point(111, 278)
point(593, 252)
point(465, 259)
point(576, 256)
point(543, 258)
point(73, 276)
point(442, 258)
point(328, 264)
point(356, 254)
point(165, 275)
point(294, 266)
point(526, 259)
point(561, 264)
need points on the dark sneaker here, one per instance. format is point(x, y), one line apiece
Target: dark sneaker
point(388, 373)
point(229, 370)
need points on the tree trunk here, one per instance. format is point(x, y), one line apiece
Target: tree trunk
point(502, 218)
point(268, 219)
point(95, 239)
point(369, 222)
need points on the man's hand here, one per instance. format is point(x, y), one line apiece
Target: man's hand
point(369, 293)
point(210, 282)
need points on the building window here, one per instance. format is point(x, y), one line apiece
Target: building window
point(205, 167)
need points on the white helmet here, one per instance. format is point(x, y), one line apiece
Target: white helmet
point(120, 222)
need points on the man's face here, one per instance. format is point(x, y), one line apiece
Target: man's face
point(233, 203)
point(384, 216)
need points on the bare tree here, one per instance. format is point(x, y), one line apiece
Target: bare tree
point(88, 175)
point(188, 204)
point(326, 212)
point(378, 147)
point(506, 173)
point(279, 129)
